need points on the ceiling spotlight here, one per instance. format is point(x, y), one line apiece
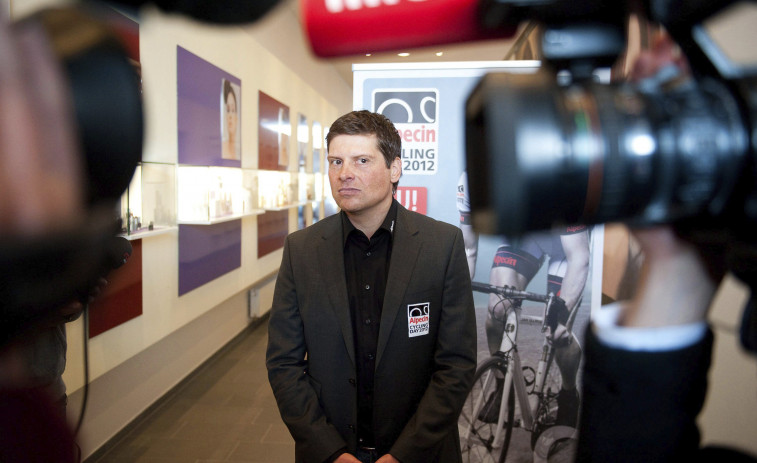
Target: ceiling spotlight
point(439, 53)
point(403, 54)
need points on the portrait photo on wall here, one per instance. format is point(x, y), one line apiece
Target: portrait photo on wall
point(231, 147)
point(207, 97)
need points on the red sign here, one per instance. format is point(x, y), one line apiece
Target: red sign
point(348, 27)
point(413, 198)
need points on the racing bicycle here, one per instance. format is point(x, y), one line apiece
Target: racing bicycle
point(502, 381)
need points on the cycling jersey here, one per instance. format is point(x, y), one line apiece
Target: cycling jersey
point(525, 254)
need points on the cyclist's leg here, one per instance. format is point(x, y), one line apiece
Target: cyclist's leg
point(567, 358)
point(495, 319)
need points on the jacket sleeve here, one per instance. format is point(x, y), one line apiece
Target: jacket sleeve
point(286, 360)
point(454, 367)
point(642, 406)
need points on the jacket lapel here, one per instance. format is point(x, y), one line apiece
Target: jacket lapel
point(331, 268)
point(405, 250)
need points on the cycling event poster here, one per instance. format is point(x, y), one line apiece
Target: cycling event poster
point(426, 103)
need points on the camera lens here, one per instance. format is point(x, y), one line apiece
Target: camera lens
point(541, 155)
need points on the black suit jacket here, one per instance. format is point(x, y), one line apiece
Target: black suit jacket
point(642, 406)
point(421, 381)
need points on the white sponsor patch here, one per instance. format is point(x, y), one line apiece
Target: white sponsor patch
point(418, 319)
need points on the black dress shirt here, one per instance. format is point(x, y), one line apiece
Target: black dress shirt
point(366, 264)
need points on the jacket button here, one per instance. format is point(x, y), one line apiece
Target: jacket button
point(352, 428)
point(352, 381)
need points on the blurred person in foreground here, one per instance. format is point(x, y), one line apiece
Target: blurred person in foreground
point(372, 334)
point(645, 377)
point(40, 194)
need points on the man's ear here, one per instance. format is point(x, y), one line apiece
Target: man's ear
point(396, 168)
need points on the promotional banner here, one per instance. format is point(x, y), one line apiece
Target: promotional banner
point(426, 102)
point(526, 397)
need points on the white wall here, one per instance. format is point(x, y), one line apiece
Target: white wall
point(134, 364)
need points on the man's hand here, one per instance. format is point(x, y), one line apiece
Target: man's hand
point(346, 458)
point(387, 459)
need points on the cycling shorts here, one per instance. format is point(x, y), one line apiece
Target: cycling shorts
point(517, 259)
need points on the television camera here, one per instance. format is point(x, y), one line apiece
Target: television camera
point(560, 147)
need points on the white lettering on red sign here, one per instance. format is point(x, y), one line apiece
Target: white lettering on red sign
point(337, 6)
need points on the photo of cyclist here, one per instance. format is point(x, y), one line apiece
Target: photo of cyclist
point(515, 263)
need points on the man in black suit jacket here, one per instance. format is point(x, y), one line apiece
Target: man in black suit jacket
point(372, 336)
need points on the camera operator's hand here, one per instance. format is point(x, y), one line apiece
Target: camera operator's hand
point(73, 310)
point(664, 54)
point(40, 177)
point(676, 286)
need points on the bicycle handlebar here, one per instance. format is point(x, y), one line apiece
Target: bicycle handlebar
point(509, 292)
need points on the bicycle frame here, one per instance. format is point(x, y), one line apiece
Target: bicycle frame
point(528, 405)
point(508, 352)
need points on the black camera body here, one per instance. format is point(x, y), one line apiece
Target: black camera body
point(557, 147)
point(544, 150)
point(541, 154)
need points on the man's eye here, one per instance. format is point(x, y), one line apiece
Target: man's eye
point(363, 161)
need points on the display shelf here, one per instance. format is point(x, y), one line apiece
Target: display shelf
point(226, 218)
point(307, 191)
point(149, 199)
point(145, 232)
point(278, 190)
point(287, 206)
point(210, 194)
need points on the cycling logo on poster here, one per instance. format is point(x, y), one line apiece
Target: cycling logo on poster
point(418, 319)
point(415, 113)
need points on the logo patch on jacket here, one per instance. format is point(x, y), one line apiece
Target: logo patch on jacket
point(418, 319)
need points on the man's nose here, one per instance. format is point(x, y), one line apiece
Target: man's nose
point(345, 171)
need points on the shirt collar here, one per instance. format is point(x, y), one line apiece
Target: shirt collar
point(388, 224)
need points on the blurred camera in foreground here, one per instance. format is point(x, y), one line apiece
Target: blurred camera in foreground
point(559, 148)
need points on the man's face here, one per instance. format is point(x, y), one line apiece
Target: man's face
point(360, 180)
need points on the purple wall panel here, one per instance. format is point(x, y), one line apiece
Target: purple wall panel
point(208, 251)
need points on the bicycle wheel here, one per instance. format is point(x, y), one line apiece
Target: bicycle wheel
point(484, 438)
